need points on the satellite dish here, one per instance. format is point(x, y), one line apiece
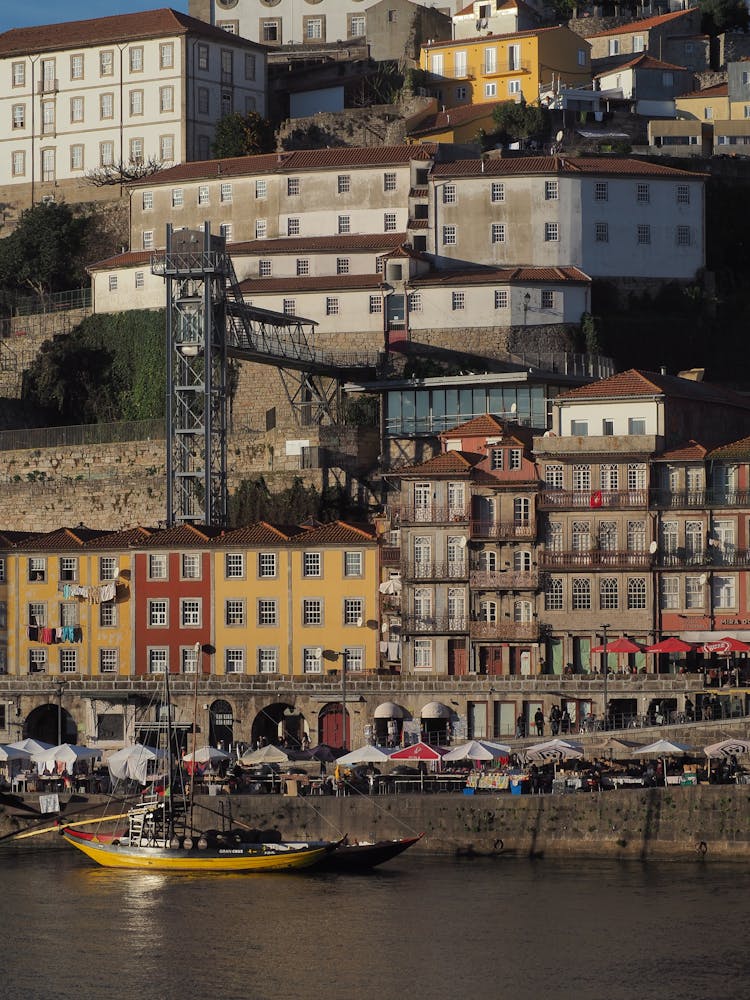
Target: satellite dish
point(653, 547)
point(116, 572)
point(197, 648)
point(513, 407)
point(546, 434)
point(360, 622)
point(462, 542)
point(703, 578)
point(560, 136)
point(384, 627)
point(318, 652)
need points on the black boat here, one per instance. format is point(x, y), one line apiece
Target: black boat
point(352, 857)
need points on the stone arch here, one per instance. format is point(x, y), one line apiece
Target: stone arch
point(220, 724)
point(47, 722)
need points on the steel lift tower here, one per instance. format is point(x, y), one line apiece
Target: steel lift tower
point(208, 322)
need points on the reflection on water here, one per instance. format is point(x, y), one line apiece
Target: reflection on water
point(427, 928)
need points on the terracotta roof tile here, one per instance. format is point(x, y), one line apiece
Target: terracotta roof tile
point(61, 539)
point(311, 283)
point(11, 539)
point(337, 532)
point(485, 425)
point(295, 160)
point(529, 33)
point(635, 383)
point(503, 166)
point(447, 463)
point(182, 536)
point(118, 28)
point(455, 116)
point(126, 539)
point(691, 451)
point(645, 24)
point(642, 61)
point(738, 450)
point(260, 533)
point(718, 90)
point(504, 275)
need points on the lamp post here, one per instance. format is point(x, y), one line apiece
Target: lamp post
point(606, 672)
point(343, 699)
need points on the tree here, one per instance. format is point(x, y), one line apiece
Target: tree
point(243, 135)
point(521, 121)
point(121, 172)
point(42, 254)
point(723, 15)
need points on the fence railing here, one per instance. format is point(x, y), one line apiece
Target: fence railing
point(55, 437)
point(75, 298)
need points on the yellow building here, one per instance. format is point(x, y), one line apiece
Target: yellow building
point(504, 67)
point(710, 104)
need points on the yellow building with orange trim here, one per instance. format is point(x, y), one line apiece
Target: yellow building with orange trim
point(506, 67)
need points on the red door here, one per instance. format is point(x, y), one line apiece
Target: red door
point(330, 727)
point(457, 658)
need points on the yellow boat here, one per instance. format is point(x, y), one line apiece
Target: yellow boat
point(149, 845)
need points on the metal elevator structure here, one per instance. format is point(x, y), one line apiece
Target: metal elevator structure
point(208, 323)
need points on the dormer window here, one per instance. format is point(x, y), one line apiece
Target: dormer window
point(515, 458)
point(496, 458)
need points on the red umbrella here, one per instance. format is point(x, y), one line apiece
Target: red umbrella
point(418, 751)
point(725, 646)
point(622, 645)
point(671, 645)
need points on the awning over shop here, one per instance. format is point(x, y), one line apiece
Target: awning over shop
point(742, 634)
point(389, 710)
point(435, 710)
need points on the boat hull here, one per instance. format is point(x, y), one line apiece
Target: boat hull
point(237, 857)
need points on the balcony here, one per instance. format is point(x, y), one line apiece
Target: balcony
point(505, 630)
point(435, 515)
point(433, 624)
point(718, 496)
point(437, 571)
point(504, 530)
point(712, 557)
point(390, 555)
point(509, 579)
point(593, 499)
point(595, 559)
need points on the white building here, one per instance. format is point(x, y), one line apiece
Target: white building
point(296, 22)
point(79, 96)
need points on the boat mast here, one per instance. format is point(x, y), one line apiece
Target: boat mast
point(169, 812)
point(198, 650)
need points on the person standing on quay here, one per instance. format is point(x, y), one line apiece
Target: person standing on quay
point(539, 722)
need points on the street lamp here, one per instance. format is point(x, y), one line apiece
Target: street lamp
point(606, 672)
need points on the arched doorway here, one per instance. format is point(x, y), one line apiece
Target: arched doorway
point(220, 724)
point(435, 723)
point(276, 723)
point(330, 730)
point(48, 722)
point(388, 720)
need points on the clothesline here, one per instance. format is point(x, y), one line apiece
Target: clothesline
point(50, 636)
point(94, 594)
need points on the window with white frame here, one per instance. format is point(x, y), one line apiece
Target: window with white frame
point(501, 298)
point(354, 609)
point(261, 188)
point(18, 163)
point(106, 106)
point(683, 236)
point(289, 307)
point(344, 224)
point(293, 226)
point(669, 593)
point(389, 181)
point(332, 306)
point(312, 611)
point(261, 229)
point(636, 536)
point(112, 282)
point(414, 301)
point(496, 458)
point(69, 614)
point(203, 57)
point(189, 659)
point(268, 660)
point(376, 304)
point(303, 267)
point(178, 197)
point(523, 611)
point(166, 147)
point(190, 612)
point(18, 116)
point(601, 191)
point(37, 569)
point(422, 654)
point(166, 55)
point(158, 613)
point(553, 594)
point(450, 195)
point(18, 74)
point(637, 475)
point(723, 590)
point(551, 190)
point(106, 63)
point(37, 661)
point(234, 611)
point(497, 232)
point(234, 566)
point(292, 186)
point(643, 234)
point(108, 615)
point(234, 660)
point(353, 564)
point(157, 566)
point(515, 459)
point(265, 268)
point(601, 232)
point(166, 99)
point(68, 661)
point(267, 564)
point(136, 150)
point(458, 300)
point(268, 611)
point(636, 593)
point(608, 594)
point(497, 191)
point(582, 478)
point(107, 154)
point(158, 660)
point(108, 661)
point(694, 592)
point(139, 279)
point(312, 660)
point(551, 232)
point(389, 222)
point(225, 230)
point(581, 594)
point(312, 564)
point(450, 236)
point(342, 265)
point(683, 193)
point(225, 193)
point(643, 194)
point(547, 298)
point(490, 88)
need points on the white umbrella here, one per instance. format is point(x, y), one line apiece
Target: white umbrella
point(33, 746)
point(365, 755)
point(65, 753)
point(665, 748)
point(265, 755)
point(391, 587)
point(477, 750)
point(133, 762)
point(727, 748)
point(8, 752)
point(206, 755)
point(553, 751)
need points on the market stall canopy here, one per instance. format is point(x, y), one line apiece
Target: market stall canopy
point(392, 586)
point(365, 755)
point(206, 755)
point(265, 755)
point(33, 746)
point(136, 762)
point(665, 748)
point(419, 751)
point(723, 647)
point(727, 748)
point(65, 753)
point(389, 710)
point(671, 645)
point(435, 710)
point(477, 750)
point(321, 752)
point(8, 752)
point(617, 745)
point(621, 645)
point(553, 751)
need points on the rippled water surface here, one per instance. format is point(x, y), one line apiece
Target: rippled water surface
point(428, 929)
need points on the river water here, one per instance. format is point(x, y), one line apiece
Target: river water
point(423, 928)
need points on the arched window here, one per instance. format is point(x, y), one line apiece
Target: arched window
point(636, 593)
point(553, 594)
point(581, 594)
point(608, 594)
point(522, 611)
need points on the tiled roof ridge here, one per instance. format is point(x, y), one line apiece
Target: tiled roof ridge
point(526, 33)
point(645, 61)
point(640, 24)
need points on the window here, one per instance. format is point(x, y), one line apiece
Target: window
point(190, 566)
point(353, 564)
point(450, 236)
point(553, 594)
point(579, 428)
point(708, 113)
point(332, 306)
point(106, 63)
point(669, 593)
point(289, 307)
point(683, 236)
point(644, 234)
point(389, 181)
point(190, 612)
point(642, 194)
point(270, 30)
point(515, 459)
point(106, 106)
point(292, 226)
point(449, 194)
point(389, 222)
point(458, 300)
point(312, 611)
point(112, 282)
point(497, 191)
point(204, 102)
point(292, 186)
point(343, 184)
point(312, 564)
point(550, 190)
point(694, 589)
point(48, 164)
point(108, 661)
point(423, 654)
point(108, 568)
point(250, 66)
point(166, 147)
point(683, 193)
point(261, 229)
point(166, 55)
point(608, 594)
point(225, 230)
point(376, 304)
point(601, 232)
point(266, 565)
point(501, 298)
point(189, 659)
point(234, 611)
point(667, 79)
point(344, 224)
point(157, 566)
point(614, 46)
point(312, 660)
point(264, 268)
point(636, 425)
point(548, 298)
point(582, 57)
point(723, 588)
point(225, 193)
point(342, 265)
point(609, 477)
point(76, 109)
point(178, 198)
point(158, 613)
point(140, 280)
point(312, 28)
point(147, 201)
point(354, 609)
point(636, 593)
point(166, 99)
point(158, 660)
point(636, 536)
point(354, 659)
point(234, 566)
point(553, 477)
point(581, 592)
point(37, 569)
point(496, 459)
point(37, 661)
point(490, 89)
point(136, 150)
point(107, 154)
point(18, 72)
point(18, 163)
point(414, 301)
point(108, 615)
point(203, 57)
point(303, 267)
point(148, 239)
point(268, 613)
point(267, 660)
point(550, 232)
point(601, 191)
point(357, 27)
point(68, 661)
point(636, 476)
point(497, 232)
point(37, 614)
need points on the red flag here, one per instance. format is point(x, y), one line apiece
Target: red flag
point(596, 499)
